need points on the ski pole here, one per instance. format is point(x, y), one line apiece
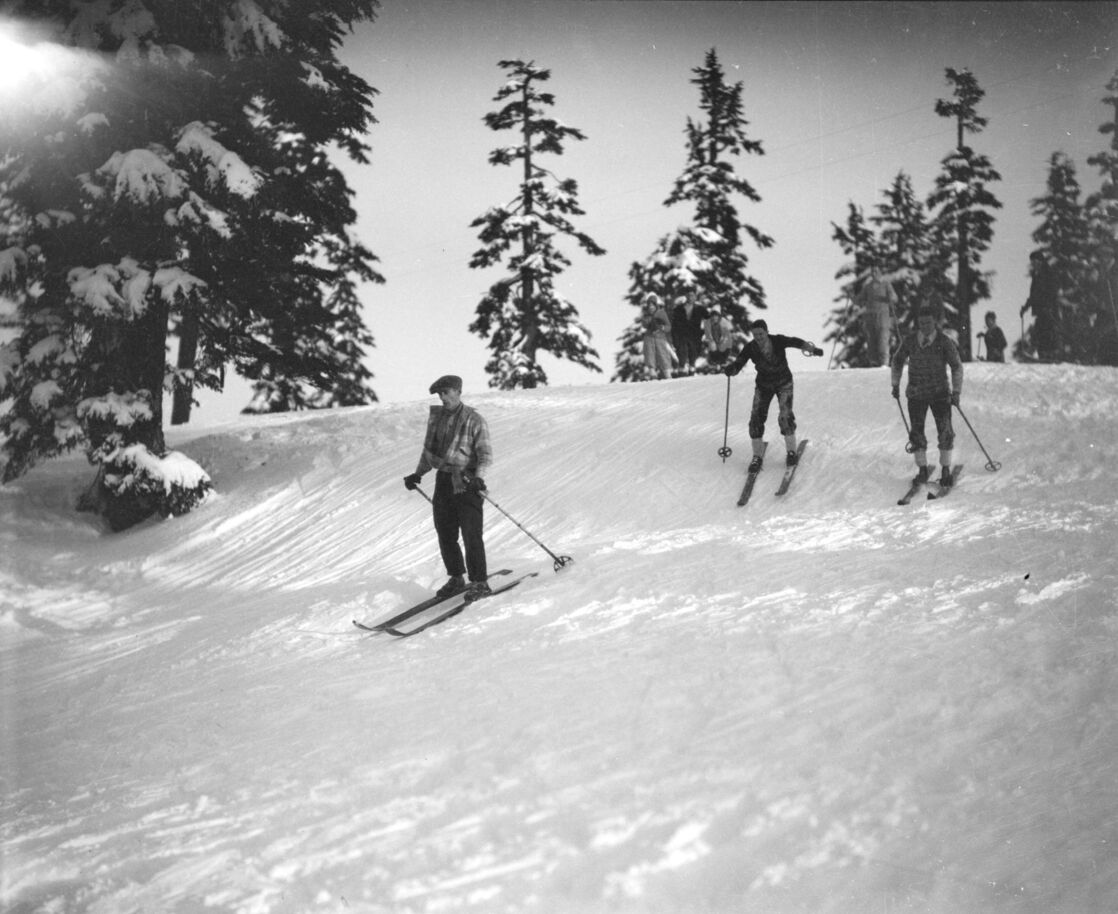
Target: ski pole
point(992, 465)
point(910, 447)
point(424, 494)
point(725, 451)
point(559, 560)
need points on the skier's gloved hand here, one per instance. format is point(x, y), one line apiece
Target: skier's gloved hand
point(411, 483)
point(955, 398)
point(896, 392)
point(729, 371)
point(475, 484)
point(817, 351)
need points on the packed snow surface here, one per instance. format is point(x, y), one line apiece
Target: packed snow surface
point(818, 703)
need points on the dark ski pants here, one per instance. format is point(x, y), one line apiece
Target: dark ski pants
point(454, 514)
point(688, 348)
point(941, 412)
point(762, 400)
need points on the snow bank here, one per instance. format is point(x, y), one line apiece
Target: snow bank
point(823, 702)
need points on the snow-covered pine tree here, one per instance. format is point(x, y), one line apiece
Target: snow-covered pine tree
point(1101, 281)
point(1062, 238)
point(905, 242)
point(862, 247)
point(171, 158)
point(710, 183)
point(962, 205)
point(523, 313)
point(898, 243)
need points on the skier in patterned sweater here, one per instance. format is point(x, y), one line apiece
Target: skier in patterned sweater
point(774, 379)
point(929, 353)
point(457, 446)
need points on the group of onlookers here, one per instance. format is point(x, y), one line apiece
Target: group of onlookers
point(686, 338)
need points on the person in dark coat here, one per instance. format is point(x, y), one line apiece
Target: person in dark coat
point(995, 339)
point(774, 379)
point(687, 333)
point(1043, 301)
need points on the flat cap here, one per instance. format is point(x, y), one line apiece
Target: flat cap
point(447, 382)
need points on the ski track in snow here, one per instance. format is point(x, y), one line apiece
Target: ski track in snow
point(821, 702)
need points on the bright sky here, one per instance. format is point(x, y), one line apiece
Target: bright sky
point(840, 94)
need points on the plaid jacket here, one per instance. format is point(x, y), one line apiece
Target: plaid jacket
point(927, 367)
point(456, 441)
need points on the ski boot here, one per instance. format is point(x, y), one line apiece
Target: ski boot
point(456, 584)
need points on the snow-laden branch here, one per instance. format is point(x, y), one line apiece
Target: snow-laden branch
point(223, 166)
point(143, 175)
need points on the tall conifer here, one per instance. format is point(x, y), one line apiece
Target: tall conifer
point(523, 313)
point(1101, 281)
point(716, 237)
point(962, 204)
point(1061, 238)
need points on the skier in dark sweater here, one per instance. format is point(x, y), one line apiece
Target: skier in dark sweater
point(774, 379)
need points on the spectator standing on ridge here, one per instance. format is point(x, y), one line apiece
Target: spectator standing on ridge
point(1043, 301)
point(995, 339)
point(929, 353)
point(878, 304)
point(687, 332)
point(659, 357)
point(774, 379)
point(718, 335)
point(456, 446)
point(1105, 329)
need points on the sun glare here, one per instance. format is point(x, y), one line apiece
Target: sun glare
point(18, 60)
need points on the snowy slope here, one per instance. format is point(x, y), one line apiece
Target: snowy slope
point(820, 703)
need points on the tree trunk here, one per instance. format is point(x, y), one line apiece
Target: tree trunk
point(963, 296)
point(528, 322)
point(183, 395)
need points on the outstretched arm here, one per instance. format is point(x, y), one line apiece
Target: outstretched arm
point(805, 346)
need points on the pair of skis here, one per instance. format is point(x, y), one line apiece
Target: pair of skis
point(785, 480)
point(935, 490)
point(407, 623)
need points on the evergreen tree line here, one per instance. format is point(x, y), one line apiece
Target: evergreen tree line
point(703, 263)
point(168, 188)
point(930, 250)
